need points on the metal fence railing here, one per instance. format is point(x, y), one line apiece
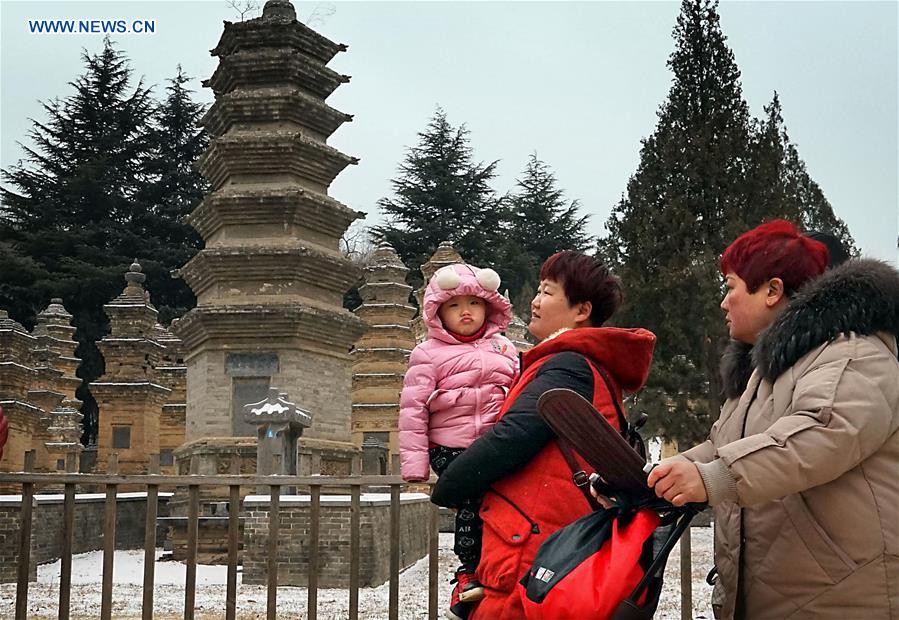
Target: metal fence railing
point(353, 485)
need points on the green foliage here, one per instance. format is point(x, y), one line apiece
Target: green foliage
point(442, 195)
point(707, 173)
point(108, 179)
point(173, 189)
point(541, 223)
point(782, 183)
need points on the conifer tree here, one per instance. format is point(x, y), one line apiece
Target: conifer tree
point(542, 222)
point(108, 177)
point(68, 207)
point(782, 185)
point(707, 174)
point(686, 200)
point(173, 189)
point(441, 194)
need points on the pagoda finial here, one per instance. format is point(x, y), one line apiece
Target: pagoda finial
point(55, 308)
point(7, 323)
point(279, 10)
point(134, 278)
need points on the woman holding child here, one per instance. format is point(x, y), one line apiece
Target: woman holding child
point(802, 467)
point(516, 467)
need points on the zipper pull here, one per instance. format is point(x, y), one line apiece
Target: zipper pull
point(535, 529)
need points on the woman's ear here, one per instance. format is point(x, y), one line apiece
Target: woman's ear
point(584, 310)
point(776, 292)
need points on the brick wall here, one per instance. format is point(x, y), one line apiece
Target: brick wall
point(334, 539)
point(47, 526)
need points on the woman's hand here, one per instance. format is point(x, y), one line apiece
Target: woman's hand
point(677, 480)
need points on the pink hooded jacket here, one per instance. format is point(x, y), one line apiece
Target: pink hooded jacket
point(453, 390)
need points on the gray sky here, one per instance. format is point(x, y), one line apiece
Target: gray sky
point(579, 83)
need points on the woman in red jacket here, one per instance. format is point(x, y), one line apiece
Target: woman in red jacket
point(527, 484)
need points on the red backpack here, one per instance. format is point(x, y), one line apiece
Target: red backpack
point(608, 564)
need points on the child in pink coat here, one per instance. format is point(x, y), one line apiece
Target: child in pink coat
point(452, 393)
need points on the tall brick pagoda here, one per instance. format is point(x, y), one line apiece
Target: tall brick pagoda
point(172, 373)
point(271, 279)
point(55, 348)
point(381, 355)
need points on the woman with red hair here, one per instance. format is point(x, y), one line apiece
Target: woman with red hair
point(517, 466)
point(802, 466)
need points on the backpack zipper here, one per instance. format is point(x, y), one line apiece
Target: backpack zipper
point(535, 529)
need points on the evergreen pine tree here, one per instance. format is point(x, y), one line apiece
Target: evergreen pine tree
point(707, 174)
point(442, 195)
point(108, 179)
point(173, 189)
point(687, 199)
point(542, 223)
point(782, 185)
point(70, 213)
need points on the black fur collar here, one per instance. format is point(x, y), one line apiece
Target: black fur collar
point(860, 296)
point(736, 368)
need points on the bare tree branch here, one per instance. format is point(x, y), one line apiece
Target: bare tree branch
point(357, 244)
point(244, 7)
point(320, 14)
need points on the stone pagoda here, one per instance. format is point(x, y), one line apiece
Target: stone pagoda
point(445, 255)
point(129, 395)
point(55, 349)
point(37, 390)
point(271, 279)
point(172, 373)
point(382, 354)
point(17, 376)
point(517, 331)
point(56, 360)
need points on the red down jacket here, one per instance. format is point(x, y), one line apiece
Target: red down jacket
point(518, 468)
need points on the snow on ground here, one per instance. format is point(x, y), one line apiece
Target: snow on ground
point(87, 571)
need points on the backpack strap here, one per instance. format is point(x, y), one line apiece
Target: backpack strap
point(628, 431)
point(579, 476)
point(611, 387)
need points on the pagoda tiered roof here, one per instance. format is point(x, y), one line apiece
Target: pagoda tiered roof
point(260, 205)
point(271, 67)
point(387, 291)
point(325, 328)
point(262, 33)
point(276, 267)
point(257, 154)
point(278, 104)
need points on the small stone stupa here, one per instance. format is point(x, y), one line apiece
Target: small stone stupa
point(129, 395)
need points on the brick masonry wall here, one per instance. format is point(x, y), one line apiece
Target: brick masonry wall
point(47, 528)
point(317, 382)
point(9, 543)
point(334, 540)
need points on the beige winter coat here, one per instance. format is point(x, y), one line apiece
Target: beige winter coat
point(806, 496)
